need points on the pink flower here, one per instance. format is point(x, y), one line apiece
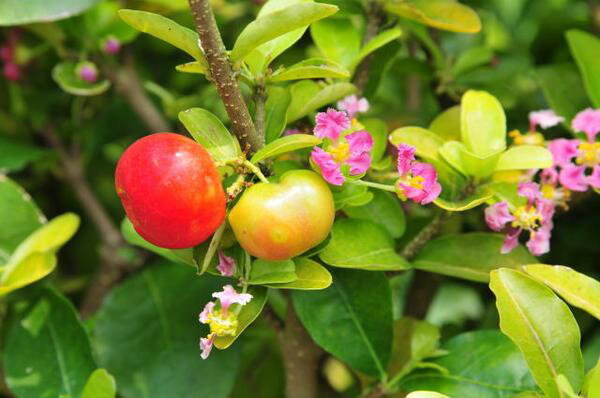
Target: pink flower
point(563, 150)
point(206, 345)
point(497, 215)
point(588, 122)
point(511, 240)
point(545, 118)
point(353, 105)
point(406, 157)
point(529, 190)
point(87, 72)
point(417, 181)
point(573, 177)
point(12, 71)
point(594, 178)
point(360, 144)
point(112, 46)
point(539, 242)
point(229, 296)
point(330, 124)
point(226, 264)
point(208, 309)
point(330, 170)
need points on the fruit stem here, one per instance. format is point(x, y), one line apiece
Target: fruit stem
point(253, 168)
point(385, 187)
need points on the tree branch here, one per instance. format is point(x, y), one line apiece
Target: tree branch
point(223, 76)
point(375, 17)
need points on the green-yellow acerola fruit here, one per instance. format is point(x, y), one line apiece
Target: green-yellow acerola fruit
point(277, 221)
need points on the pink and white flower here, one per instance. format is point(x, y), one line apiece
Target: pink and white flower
point(226, 265)
point(588, 122)
point(331, 123)
point(544, 118)
point(417, 181)
point(353, 105)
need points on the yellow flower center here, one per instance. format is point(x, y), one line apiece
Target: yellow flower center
point(340, 151)
point(222, 324)
point(548, 191)
point(411, 181)
point(530, 138)
point(527, 217)
point(589, 154)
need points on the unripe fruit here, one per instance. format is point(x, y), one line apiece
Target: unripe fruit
point(280, 221)
point(171, 190)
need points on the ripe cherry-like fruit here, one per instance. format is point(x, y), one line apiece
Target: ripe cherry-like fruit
point(171, 190)
point(279, 221)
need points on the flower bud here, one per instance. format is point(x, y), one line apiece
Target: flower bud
point(87, 71)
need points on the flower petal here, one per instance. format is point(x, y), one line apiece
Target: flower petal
point(545, 118)
point(511, 240)
point(563, 150)
point(573, 177)
point(588, 122)
point(226, 264)
point(406, 156)
point(331, 123)
point(330, 170)
point(208, 308)
point(206, 345)
point(498, 215)
point(229, 296)
point(353, 105)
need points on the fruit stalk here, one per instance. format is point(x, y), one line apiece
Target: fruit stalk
point(222, 75)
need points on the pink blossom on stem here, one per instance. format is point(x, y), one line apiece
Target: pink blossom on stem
point(87, 72)
point(226, 264)
point(573, 177)
point(208, 309)
point(594, 178)
point(353, 105)
point(360, 144)
point(529, 190)
point(229, 296)
point(417, 181)
point(588, 122)
point(545, 118)
point(498, 215)
point(511, 240)
point(406, 157)
point(330, 170)
point(563, 150)
point(112, 45)
point(206, 345)
point(330, 124)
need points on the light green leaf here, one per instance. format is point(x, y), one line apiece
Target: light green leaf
point(447, 124)
point(246, 316)
point(15, 155)
point(310, 275)
point(351, 195)
point(277, 23)
point(471, 58)
point(361, 244)
point(441, 14)
point(591, 386)
point(385, 210)
point(524, 157)
point(476, 166)
point(167, 30)
point(324, 96)
point(209, 132)
point(352, 323)
point(264, 272)
point(467, 305)
point(483, 123)
point(550, 344)
point(585, 47)
point(376, 43)
point(100, 384)
point(337, 39)
point(577, 289)
point(425, 142)
point(314, 68)
point(193, 67)
point(276, 107)
point(474, 200)
point(414, 340)
point(285, 144)
point(65, 75)
point(469, 256)
point(379, 132)
point(301, 93)
point(451, 152)
point(19, 12)
point(563, 89)
point(426, 394)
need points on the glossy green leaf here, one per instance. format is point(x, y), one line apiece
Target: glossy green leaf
point(100, 384)
point(426, 394)
point(278, 101)
point(19, 214)
point(15, 155)
point(591, 386)
point(451, 152)
point(65, 75)
point(264, 271)
point(576, 288)
point(506, 191)
point(585, 47)
point(467, 203)
point(524, 157)
point(285, 144)
point(310, 275)
point(469, 256)
point(351, 195)
point(314, 68)
point(326, 95)
point(19, 12)
point(467, 305)
point(277, 23)
point(463, 160)
point(563, 89)
point(376, 43)
point(425, 142)
point(471, 58)
point(35, 257)
point(550, 344)
point(447, 124)
point(47, 351)
point(183, 256)
point(385, 210)
point(352, 323)
point(483, 123)
point(167, 30)
point(482, 364)
point(379, 132)
point(146, 335)
point(361, 244)
point(441, 14)
point(193, 67)
point(246, 316)
point(414, 340)
point(337, 39)
point(208, 131)
point(301, 93)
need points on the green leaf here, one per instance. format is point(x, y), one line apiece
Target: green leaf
point(482, 364)
point(441, 14)
point(379, 132)
point(414, 340)
point(35, 257)
point(451, 152)
point(314, 68)
point(467, 203)
point(385, 210)
point(310, 275)
point(469, 256)
point(18, 12)
point(584, 47)
point(337, 39)
point(361, 244)
point(577, 289)
point(65, 75)
point(376, 43)
point(278, 101)
point(563, 89)
point(466, 305)
point(277, 23)
point(246, 316)
point(100, 384)
point(483, 123)
point(351, 195)
point(524, 157)
point(53, 358)
point(19, 214)
point(550, 344)
point(285, 144)
point(301, 93)
point(209, 132)
point(264, 271)
point(447, 124)
point(193, 67)
point(591, 386)
point(14, 155)
point(426, 394)
point(471, 58)
point(425, 142)
point(352, 323)
point(147, 331)
point(324, 96)
point(167, 30)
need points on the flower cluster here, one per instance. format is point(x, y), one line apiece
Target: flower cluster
point(535, 216)
point(221, 319)
point(417, 181)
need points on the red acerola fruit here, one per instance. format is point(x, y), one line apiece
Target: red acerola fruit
point(171, 190)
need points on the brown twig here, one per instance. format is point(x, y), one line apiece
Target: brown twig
point(221, 73)
point(375, 18)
